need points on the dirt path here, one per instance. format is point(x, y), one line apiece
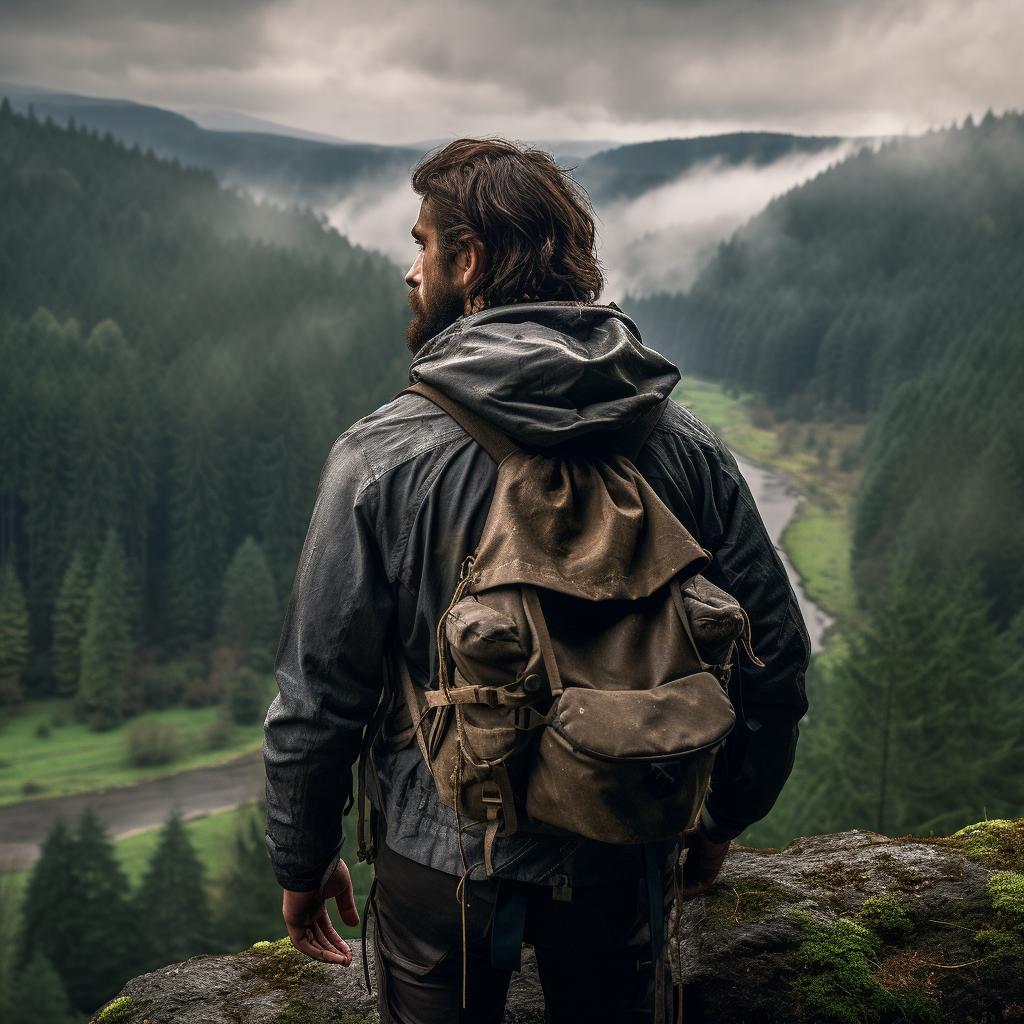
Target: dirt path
point(129, 809)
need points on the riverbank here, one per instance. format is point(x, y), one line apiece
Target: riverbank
point(822, 460)
point(47, 754)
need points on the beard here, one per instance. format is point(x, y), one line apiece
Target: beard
point(431, 318)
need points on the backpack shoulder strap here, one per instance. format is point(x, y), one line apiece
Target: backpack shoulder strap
point(635, 436)
point(489, 437)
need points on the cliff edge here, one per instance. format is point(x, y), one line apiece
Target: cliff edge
point(847, 928)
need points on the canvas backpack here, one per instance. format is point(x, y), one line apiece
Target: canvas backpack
point(583, 660)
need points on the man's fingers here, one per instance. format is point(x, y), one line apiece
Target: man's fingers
point(346, 904)
point(305, 941)
point(329, 934)
point(323, 931)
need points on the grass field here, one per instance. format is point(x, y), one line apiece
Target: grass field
point(44, 752)
point(822, 459)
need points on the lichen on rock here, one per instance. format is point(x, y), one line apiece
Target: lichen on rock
point(838, 929)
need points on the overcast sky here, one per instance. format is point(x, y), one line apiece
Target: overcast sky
point(401, 71)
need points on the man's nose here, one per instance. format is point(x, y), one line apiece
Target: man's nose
point(415, 273)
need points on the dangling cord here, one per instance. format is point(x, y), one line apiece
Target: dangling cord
point(442, 635)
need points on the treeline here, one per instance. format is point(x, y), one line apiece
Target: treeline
point(891, 289)
point(177, 361)
point(891, 286)
point(79, 930)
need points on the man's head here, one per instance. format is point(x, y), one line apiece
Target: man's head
point(498, 224)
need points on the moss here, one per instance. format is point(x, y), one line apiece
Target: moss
point(117, 1011)
point(838, 981)
point(298, 1011)
point(1004, 941)
point(907, 879)
point(885, 916)
point(837, 875)
point(998, 844)
point(740, 900)
point(1007, 891)
point(282, 966)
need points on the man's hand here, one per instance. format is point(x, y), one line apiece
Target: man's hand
point(703, 862)
point(310, 928)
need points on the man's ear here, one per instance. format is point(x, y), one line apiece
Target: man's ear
point(472, 261)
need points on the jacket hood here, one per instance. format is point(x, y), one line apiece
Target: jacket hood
point(548, 373)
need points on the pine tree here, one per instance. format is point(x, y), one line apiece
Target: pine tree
point(14, 642)
point(69, 618)
point(172, 899)
point(38, 995)
point(97, 948)
point(198, 523)
point(52, 887)
point(249, 905)
point(106, 645)
point(915, 729)
point(249, 618)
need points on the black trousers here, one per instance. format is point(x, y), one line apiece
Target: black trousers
point(593, 952)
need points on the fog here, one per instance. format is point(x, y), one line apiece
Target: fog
point(657, 242)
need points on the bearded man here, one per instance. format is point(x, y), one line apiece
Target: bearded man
point(503, 291)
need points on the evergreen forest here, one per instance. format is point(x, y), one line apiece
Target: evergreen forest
point(177, 361)
point(890, 290)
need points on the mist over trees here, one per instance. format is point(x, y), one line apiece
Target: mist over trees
point(891, 286)
point(891, 289)
point(178, 360)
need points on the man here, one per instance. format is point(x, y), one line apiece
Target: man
point(503, 293)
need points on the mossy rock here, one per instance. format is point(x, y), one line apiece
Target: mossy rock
point(745, 900)
point(998, 843)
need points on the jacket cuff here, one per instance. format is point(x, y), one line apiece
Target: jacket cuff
point(304, 881)
point(715, 832)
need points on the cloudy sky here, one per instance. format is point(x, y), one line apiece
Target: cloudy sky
point(407, 70)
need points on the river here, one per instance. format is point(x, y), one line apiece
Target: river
point(202, 791)
point(777, 501)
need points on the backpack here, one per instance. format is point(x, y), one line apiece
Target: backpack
point(583, 661)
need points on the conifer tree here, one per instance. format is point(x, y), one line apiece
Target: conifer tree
point(14, 641)
point(172, 899)
point(69, 617)
point(96, 948)
point(106, 644)
point(914, 731)
point(249, 905)
point(38, 996)
point(198, 523)
point(249, 618)
point(52, 888)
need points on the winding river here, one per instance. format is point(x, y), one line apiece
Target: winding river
point(202, 791)
point(777, 501)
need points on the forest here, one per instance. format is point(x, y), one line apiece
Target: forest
point(890, 290)
point(177, 360)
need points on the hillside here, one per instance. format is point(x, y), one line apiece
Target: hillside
point(626, 172)
point(178, 360)
point(290, 169)
point(891, 286)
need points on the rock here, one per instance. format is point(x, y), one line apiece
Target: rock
point(849, 928)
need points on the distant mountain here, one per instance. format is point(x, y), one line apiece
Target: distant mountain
point(282, 167)
point(292, 165)
point(627, 172)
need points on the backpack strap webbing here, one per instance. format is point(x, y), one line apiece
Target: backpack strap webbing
point(489, 437)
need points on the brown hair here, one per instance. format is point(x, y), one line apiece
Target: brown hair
point(533, 220)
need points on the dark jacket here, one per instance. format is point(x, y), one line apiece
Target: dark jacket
point(402, 501)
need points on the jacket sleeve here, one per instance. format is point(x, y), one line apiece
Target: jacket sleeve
point(329, 672)
point(755, 762)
